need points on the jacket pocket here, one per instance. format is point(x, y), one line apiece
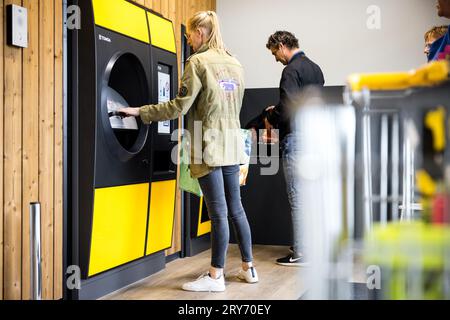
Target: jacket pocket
point(223, 144)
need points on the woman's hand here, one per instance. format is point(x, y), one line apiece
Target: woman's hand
point(129, 112)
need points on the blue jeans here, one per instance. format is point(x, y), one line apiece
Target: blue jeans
point(290, 149)
point(222, 194)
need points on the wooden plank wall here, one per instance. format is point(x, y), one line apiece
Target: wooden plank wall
point(179, 11)
point(31, 148)
point(1, 149)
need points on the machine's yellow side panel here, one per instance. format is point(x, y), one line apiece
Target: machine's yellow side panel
point(203, 227)
point(162, 33)
point(123, 17)
point(119, 226)
point(162, 214)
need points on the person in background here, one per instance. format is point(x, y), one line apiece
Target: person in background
point(431, 36)
point(299, 73)
point(439, 47)
point(211, 93)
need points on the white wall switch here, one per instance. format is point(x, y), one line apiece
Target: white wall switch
point(17, 19)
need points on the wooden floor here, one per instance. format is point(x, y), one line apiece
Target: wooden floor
point(276, 282)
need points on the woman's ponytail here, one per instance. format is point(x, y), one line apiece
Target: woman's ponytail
point(209, 21)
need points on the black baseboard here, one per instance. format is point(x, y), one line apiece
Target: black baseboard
point(173, 257)
point(121, 277)
point(198, 245)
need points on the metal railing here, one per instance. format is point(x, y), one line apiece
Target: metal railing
point(35, 251)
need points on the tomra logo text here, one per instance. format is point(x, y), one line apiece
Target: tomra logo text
point(103, 38)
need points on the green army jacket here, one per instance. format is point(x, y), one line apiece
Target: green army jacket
point(211, 93)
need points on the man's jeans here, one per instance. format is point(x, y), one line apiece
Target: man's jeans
point(222, 194)
point(290, 149)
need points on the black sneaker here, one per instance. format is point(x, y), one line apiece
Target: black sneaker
point(293, 261)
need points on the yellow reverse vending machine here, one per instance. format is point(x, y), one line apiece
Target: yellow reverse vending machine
point(123, 180)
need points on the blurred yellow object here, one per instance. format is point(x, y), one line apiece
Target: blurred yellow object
point(425, 183)
point(407, 244)
point(435, 121)
point(413, 258)
point(431, 74)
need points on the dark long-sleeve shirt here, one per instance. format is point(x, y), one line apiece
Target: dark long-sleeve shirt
point(298, 74)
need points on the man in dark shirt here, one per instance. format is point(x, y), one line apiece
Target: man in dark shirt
point(300, 72)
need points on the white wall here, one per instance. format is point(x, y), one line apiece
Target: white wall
point(333, 33)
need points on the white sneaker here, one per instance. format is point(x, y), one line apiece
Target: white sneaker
point(251, 276)
point(205, 283)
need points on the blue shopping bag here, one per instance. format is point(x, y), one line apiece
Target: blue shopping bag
point(243, 172)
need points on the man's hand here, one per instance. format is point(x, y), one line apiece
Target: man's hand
point(129, 112)
point(268, 109)
point(269, 136)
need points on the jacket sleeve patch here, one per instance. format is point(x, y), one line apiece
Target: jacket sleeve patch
point(183, 92)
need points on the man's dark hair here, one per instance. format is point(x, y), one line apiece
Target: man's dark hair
point(282, 37)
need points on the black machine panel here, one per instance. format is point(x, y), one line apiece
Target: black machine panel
point(124, 79)
point(164, 88)
point(110, 70)
point(264, 197)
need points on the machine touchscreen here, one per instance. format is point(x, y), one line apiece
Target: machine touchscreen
point(164, 86)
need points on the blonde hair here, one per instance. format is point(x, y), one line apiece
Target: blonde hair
point(209, 21)
point(436, 33)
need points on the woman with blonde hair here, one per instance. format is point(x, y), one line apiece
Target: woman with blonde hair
point(211, 93)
